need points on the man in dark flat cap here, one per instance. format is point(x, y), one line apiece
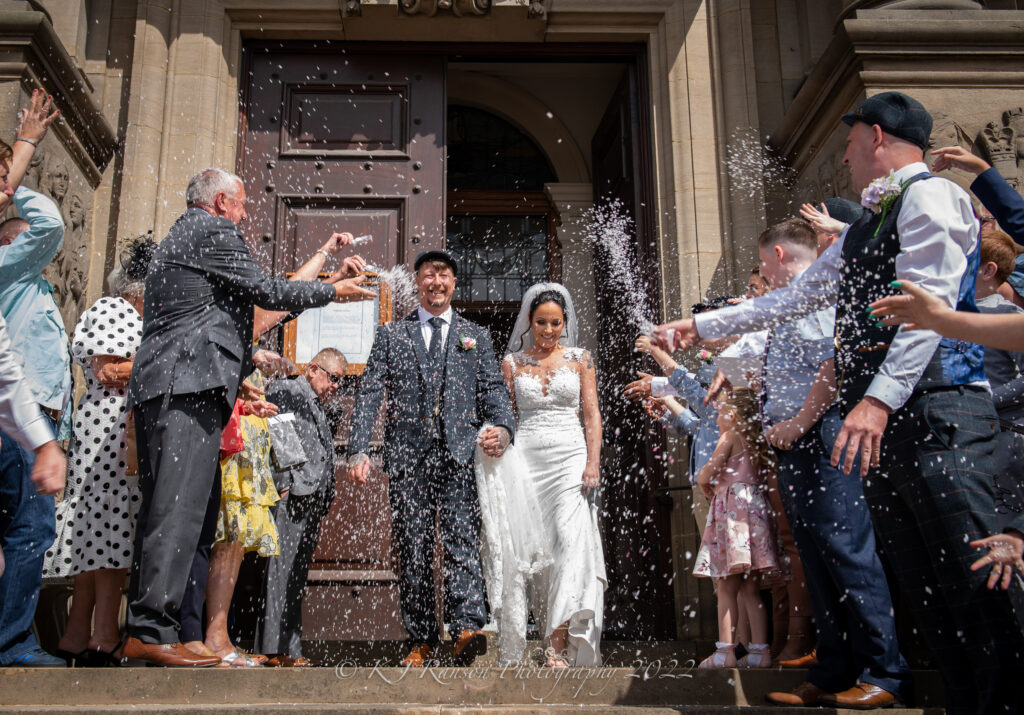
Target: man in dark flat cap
point(442, 383)
point(929, 482)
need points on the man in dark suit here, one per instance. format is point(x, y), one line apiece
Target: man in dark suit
point(201, 291)
point(307, 491)
point(442, 384)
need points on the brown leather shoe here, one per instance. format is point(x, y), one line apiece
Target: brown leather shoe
point(804, 661)
point(862, 696)
point(418, 656)
point(803, 694)
point(174, 655)
point(468, 646)
point(287, 661)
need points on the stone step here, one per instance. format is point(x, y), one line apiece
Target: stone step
point(316, 709)
point(437, 689)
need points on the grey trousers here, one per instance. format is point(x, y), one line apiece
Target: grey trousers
point(179, 450)
point(298, 524)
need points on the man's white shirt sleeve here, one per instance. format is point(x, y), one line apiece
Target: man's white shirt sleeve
point(19, 414)
point(934, 213)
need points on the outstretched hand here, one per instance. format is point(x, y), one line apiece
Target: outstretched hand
point(916, 309)
point(1006, 553)
point(821, 220)
point(35, 120)
point(349, 290)
point(639, 389)
point(676, 335)
point(955, 157)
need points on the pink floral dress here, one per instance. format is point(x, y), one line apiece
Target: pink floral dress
point(740, 533)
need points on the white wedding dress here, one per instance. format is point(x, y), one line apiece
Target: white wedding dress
point(542, 548)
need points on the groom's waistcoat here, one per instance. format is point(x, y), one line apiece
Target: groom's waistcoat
point(869, 266)
point(466, 390)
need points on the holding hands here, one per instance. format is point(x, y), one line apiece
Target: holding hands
point(494, 441)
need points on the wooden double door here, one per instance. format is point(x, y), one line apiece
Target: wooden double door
point(355, 141)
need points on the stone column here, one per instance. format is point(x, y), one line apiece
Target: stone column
point(183, 113)
point(571, 201)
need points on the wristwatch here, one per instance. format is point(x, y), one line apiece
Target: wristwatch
point(326, 254)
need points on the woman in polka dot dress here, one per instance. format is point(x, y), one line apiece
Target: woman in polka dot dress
point(96, 517)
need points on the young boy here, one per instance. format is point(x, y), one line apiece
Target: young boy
point(826, 509)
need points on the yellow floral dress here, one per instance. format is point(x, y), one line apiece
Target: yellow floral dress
point(247, 489)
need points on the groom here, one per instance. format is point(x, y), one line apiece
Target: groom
point(442, 384)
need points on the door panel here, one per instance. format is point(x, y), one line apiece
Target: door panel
point(636, 525)
point(346, 142)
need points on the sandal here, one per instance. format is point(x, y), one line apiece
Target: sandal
point(554, 659)
point(237, 659)
point(718, 658)
point(758, 656)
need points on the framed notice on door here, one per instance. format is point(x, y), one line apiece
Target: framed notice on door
point(349, 327)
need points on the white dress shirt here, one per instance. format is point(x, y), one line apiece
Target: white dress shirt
point(20, 417)
point(937, 229)
point(427, 330)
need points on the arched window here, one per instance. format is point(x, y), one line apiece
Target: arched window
point(500, 226)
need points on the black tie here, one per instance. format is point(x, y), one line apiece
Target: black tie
point(434, 351)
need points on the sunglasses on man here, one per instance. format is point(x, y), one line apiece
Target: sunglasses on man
point(336, 380)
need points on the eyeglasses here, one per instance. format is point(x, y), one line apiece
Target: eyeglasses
point(336, 380)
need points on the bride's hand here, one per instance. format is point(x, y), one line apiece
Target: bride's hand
point(591, 476)
point(494, 441)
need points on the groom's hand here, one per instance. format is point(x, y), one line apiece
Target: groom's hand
point(495, 441)
point(359, 471)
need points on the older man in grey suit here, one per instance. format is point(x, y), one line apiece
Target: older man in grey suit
point(197, 329)
point(307, 490)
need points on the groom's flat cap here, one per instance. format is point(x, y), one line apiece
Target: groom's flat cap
point(897, 114)
point(436, 256)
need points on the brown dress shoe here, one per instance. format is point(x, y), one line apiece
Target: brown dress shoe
point(469, 645)
point(862, 696)
point(804, 661)
point(803, 694)
point(287, 661)
point(418, 656)
point(173, 655)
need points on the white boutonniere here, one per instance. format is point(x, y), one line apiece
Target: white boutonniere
point(881, 194)
point(467, 343)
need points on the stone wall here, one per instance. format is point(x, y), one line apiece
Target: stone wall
point(69, 164)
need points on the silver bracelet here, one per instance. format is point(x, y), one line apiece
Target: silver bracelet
point(327, 255)
point(27, 141)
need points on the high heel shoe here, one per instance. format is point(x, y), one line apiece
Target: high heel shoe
point(72, 659)
point(97, 658)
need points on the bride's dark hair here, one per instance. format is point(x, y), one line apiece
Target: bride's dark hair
point(546, 296)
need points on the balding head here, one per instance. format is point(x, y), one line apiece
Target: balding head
point(10, 229)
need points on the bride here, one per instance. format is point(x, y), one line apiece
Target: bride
point(542, 545)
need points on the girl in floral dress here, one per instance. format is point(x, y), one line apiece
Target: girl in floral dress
point(739, 540)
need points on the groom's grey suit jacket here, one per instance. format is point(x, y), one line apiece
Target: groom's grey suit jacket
point(472, 393)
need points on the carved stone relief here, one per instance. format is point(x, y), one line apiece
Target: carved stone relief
point(68, 272)
point(1002, 142)
point(459, 8)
